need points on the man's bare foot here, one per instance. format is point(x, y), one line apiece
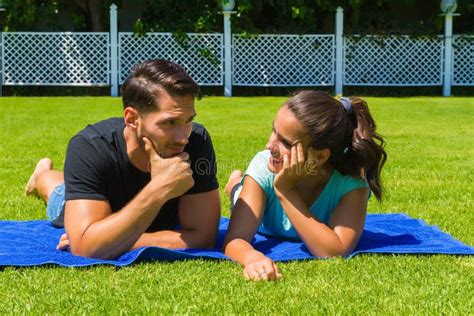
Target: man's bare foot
point(234, 178)
point(42, 165)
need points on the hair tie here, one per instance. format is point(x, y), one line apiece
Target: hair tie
point(347, 104)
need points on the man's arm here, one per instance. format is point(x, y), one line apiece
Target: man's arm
point(94, 232)
point(199, 209)
point(199, 216)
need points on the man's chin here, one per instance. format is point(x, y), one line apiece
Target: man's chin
point(170, 154)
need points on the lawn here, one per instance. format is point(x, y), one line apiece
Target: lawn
point(429, 175)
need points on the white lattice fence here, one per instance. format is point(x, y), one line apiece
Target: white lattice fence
point(200, 54)
point(73, 59)
point(283, 60)
point(392, 61)
point(463, 60)
point(1, 61)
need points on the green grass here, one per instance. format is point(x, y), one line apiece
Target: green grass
point(429, 175)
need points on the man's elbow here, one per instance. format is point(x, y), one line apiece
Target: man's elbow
point(80, 249)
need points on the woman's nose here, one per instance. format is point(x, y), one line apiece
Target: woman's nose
point(271, 146)
point(271, 142)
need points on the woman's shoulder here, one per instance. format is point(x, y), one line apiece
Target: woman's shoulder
point(347, 183)
point(260, 161)
point(258, 170)
point(263, 155)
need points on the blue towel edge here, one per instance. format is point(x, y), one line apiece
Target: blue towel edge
point(180, 254)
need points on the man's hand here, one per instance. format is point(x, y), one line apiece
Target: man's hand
point(63, 243)
point(261, 268)
point(173, 174)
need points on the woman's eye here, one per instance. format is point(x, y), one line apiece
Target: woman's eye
point(285, 144)
point(170, 123)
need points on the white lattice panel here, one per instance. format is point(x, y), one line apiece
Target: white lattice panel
point(56, 58)
point(1, 58)
point(392, 61)
point(200, 54)
point(463, 61)
point(283, 60)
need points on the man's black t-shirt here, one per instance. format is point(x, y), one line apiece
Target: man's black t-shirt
point(97, 167)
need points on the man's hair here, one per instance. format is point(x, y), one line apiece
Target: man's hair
point(148, 79)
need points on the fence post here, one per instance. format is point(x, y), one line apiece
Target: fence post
point(339, 49)
point(227, 53)
point(113, 51)
point(448, 53)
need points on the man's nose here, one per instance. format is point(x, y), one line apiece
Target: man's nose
point(181, 136)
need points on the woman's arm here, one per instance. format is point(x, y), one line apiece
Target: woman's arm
point(345, 226)
point(346, 223)
point(246, 217)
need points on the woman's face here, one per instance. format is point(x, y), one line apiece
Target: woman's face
point(287, 131)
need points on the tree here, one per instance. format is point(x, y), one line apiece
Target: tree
point(92, 9)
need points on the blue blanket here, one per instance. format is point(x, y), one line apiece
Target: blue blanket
point(32, 243)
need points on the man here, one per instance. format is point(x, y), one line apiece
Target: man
point(129, 182)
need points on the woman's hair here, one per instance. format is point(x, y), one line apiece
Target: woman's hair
point(350, 134)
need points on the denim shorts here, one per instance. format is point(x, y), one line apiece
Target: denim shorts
point(56, 202)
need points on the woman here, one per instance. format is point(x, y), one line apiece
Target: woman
point(312, 183)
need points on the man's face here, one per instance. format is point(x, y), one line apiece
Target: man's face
point(169, 127)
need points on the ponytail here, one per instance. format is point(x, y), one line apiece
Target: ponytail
point(365, 150)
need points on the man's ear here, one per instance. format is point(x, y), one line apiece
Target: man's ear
point(131, 117)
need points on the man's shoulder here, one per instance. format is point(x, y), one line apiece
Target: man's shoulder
point(199, 129)
point(199, 134)
point(200, 144)
point(105, 129)
point(101, 140)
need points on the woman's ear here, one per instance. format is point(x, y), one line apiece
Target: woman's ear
point(324, 155)
point(321, 155)
point(131, 117)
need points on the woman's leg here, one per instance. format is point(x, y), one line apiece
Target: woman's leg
point(44, 179)
point(234, 178)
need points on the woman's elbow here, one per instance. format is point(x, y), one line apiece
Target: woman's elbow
point(325, 254)
point(331, 252)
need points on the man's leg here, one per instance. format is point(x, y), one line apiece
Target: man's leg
point(44, 179)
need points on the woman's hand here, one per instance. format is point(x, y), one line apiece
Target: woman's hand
point(261, 268)
point(295, 167)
